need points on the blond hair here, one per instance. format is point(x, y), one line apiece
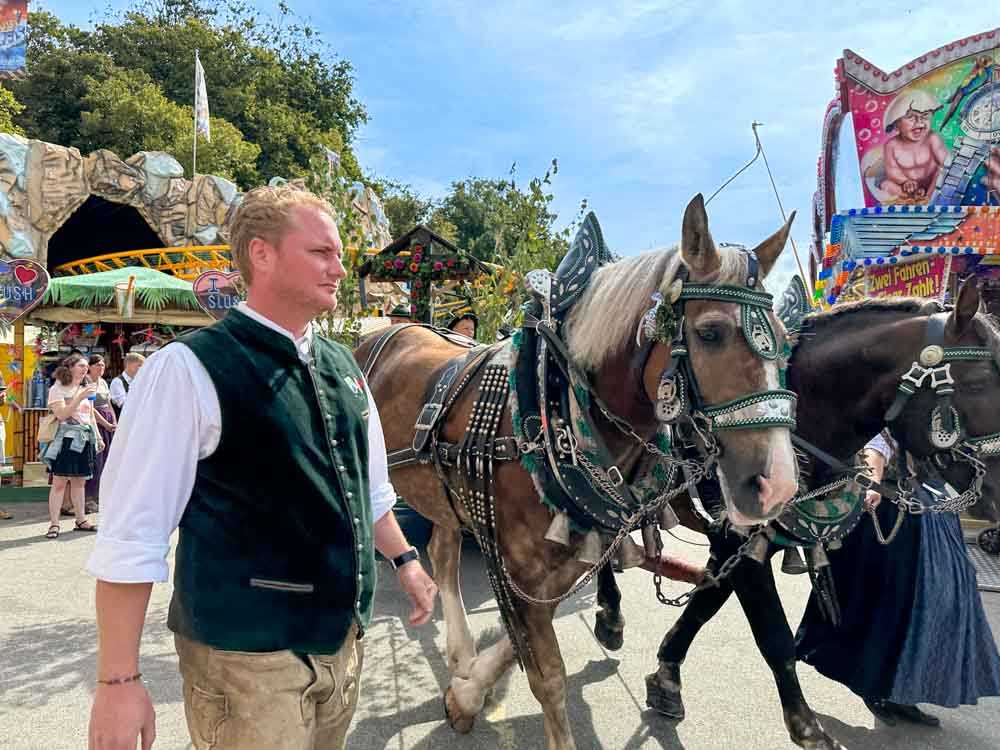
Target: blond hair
point(134, 357)
point(264, 213)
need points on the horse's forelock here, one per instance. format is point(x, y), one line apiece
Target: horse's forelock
point(988, 329)
point(603, 322)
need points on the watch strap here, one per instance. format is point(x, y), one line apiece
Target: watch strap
point(409, 556)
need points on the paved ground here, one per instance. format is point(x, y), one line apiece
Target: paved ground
point(47, 668)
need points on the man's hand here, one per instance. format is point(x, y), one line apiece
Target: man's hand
point(872, 499)
point(122, 714)
point(421, 589)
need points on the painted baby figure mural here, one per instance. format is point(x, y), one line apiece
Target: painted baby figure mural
point(915, 153)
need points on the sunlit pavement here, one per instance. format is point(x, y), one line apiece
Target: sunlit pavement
point(47, 650)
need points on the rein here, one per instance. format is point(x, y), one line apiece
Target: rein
point(931, 369)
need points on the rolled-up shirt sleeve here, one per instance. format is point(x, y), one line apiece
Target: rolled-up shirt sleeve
point(117, 390)
point(383, 494)
point(172, 422)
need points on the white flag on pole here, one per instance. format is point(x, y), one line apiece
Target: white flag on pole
point(201, 101)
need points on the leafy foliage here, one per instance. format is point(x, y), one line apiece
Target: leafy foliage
point(10, 107)
point(278, 93)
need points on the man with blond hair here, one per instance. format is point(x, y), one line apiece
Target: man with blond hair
point(119, 385)
point(259, 439)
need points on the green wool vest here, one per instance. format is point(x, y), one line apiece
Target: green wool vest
point(275, 548)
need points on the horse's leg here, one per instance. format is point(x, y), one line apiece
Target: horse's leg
point(610, 624)
point(445, 552)
point(466, 695)
point(547, 675)
point(755, 587)
point(663, 687)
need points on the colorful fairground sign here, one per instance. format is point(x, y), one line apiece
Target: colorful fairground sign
point(927, 139)
point(22, 285)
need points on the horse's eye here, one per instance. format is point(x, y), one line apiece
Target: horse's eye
point(709, 334)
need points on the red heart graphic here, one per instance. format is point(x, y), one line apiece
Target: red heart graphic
point(216, 292)
point(25, 275)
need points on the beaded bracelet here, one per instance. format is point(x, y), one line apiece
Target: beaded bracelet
point(120, 680)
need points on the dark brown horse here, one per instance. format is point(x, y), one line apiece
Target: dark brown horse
point(600, 335)
point(846, 369)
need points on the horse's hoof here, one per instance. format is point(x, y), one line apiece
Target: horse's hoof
point(609, 636)
point(807, 733)
point(458, 722)
point(663, 700)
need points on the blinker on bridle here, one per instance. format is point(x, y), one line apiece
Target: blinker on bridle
point(677, 391)
point(933, 369)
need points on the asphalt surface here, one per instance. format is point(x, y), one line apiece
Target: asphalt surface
point(47, 657)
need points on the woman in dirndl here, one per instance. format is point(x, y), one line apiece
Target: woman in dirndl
point(106, 426)
point(912, 628)
point(71, 453)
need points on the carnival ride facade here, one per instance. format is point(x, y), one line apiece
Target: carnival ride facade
point(923, 136)
point(96, 222)
point(927, 140)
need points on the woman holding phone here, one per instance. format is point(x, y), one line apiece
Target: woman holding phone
point(71, 454)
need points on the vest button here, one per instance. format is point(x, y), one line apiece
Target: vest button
point(356, 520)
point(360, 577)
point(361, 548)
point(350, 495)
point(333, 443)
point(341, 467)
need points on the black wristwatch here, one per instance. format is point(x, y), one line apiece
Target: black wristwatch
point(409, 556)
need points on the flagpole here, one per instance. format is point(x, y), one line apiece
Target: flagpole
point(194, 155)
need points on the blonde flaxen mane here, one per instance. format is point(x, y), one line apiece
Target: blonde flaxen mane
point(603, 322)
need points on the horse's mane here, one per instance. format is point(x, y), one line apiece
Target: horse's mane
point(603, 322)
point(985, 325)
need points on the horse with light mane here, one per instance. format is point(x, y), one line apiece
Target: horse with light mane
point(757, 466)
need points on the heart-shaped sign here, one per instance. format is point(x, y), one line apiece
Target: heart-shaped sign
point(22, 285)
point(217, 292)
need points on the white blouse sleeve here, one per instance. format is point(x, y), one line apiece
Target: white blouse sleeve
point(881, 445)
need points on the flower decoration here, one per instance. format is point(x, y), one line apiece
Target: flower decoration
point(417, 257)
point(418, 284)
point(414, 267)
point(388, 264)
point(438, 265)
point(451, 262)
point(399, 264)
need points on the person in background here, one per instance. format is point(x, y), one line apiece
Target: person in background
point(120, 385)
point(259, 439)
point(70, 455)
point(107, 423)
point(400, 314)
point(4, 399)
point(466, 324)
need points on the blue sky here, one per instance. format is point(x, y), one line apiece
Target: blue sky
point(643, 103)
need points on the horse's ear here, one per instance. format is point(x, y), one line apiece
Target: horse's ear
point(769, 250)
point(967, 306)
point(697, 247)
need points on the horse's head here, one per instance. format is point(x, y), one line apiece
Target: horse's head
point(970, 354)
point(758, 469)
point(706, 289)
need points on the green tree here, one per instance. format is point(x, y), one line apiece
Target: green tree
point(404, 207)
point(10, 108)
point(275, 82)
point(114, 105)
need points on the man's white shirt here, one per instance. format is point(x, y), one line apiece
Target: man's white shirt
point(173, 421)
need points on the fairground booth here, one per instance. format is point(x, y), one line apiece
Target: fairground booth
point(923, 135)
point(123, 240)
